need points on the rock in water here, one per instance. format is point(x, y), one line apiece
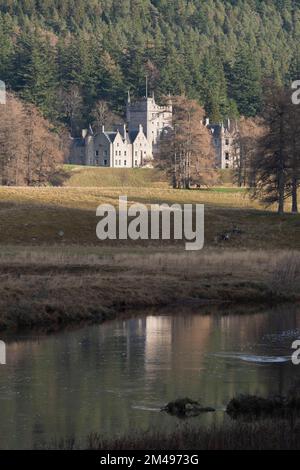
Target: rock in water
point(185, 408)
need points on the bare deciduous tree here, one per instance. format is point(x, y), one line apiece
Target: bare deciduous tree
point(72, 105)
point(29, 148)
point(186, 152)
point(103, 116)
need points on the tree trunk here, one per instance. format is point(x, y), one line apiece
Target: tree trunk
point(295, 195)
point(281, 177)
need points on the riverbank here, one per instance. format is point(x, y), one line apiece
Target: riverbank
point(51, 288)
point(263, 435)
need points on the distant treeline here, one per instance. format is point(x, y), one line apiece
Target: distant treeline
point(64, 57)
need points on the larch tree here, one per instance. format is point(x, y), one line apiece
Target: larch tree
point(272, 160)
point(186, 152)
point(29, 149)
point(246, 145)
point(293, 145)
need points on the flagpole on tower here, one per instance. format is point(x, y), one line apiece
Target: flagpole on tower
point(146, 86)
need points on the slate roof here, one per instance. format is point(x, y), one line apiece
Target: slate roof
point(110, 136)
point(78, 142)
point(215, 129)
point(133, 135)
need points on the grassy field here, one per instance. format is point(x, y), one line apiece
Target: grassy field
point(75, 176)
point(66, 215)
point(49, 245)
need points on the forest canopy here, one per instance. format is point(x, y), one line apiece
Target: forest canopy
point(218, 52)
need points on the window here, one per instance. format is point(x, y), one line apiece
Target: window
point(227, 141)
point(105, 162)
point(116, 152)
point(227, 165)
point(120, 162)
point(135, 162)
point(136, 154)
point(226, 156)
point(125, 153)
point(120, 153)
point(97, 153)
point(118, 144)
point(116, 162)
point(125, 162)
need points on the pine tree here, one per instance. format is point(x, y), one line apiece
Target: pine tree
point(244, 83)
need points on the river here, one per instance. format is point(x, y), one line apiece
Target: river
point(113, 378)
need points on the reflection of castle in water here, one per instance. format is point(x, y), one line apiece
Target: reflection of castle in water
point(176, 342)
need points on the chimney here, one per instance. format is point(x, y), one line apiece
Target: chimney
point(206, 121)
point(141, 128)
point(103, 129)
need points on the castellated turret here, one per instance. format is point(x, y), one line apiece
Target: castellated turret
point(151, 116)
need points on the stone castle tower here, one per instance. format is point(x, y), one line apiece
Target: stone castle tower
point(152, 117)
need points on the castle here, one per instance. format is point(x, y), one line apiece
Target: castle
point(224, 138)
point(134, 144)
point(129, 145)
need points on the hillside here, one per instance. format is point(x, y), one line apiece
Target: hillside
point(65, 56)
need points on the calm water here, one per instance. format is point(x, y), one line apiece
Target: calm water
point(113, 378)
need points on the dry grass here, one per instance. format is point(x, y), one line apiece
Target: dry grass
point(78, 176)
point(90, 197)
point(286, 273)
point(264, 435)
point(37, 286)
